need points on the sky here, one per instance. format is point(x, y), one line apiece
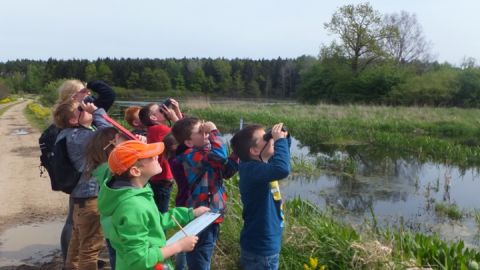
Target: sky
point(255, 29)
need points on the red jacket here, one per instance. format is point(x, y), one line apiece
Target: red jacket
point(155, 134)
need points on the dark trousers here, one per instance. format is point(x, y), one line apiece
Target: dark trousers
point(161, 194)
point(67, 230)
point(200, 257)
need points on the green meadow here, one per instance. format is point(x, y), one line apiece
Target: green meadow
point(444, 135)
point(313, 238)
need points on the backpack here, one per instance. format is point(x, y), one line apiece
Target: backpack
point(54, 159)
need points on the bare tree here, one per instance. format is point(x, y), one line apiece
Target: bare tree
point(406, 41)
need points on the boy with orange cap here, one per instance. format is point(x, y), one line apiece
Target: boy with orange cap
point(128, 213)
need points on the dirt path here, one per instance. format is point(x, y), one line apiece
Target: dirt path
point(25, 197)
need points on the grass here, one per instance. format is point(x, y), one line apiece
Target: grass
point(444, 135)
point(8, 102)
point(37, 115)
point(449, 210)
point(311, 236)
point(476, 217)
point(4, 109)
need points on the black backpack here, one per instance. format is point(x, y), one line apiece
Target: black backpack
point(54, 159)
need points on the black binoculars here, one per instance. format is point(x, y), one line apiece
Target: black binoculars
point(86, 100)
point(167, 102)
point(268, 135)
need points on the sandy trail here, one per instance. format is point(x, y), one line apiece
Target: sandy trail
point(25, 197)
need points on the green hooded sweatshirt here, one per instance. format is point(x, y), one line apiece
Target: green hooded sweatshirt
point(131, 221)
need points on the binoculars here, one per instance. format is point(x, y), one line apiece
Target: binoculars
point(167, 102)
point(268, 135)
point(87, 99)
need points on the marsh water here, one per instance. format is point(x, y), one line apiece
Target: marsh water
point(390, 191)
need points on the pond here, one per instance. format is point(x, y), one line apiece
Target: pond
point(399, 191)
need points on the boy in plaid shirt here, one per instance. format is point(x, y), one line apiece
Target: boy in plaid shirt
point(204, 158)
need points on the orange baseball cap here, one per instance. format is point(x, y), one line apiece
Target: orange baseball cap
point(124, 155)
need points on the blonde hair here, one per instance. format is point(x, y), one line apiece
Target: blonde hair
point(64, 112)
point(68, 89)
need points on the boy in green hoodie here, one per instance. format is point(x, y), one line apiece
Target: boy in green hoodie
point(128, 214)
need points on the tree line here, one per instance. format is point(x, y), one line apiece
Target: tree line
point(217, 77)
point(376, 59)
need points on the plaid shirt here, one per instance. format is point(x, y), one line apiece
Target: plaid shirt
point(203, 170)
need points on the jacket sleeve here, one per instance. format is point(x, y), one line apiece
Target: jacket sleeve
point(278, 167)
point(76, 141)
point(106, 95)
point(213, 155)
point(98, 121)
point(132, 230)
point(182, 215)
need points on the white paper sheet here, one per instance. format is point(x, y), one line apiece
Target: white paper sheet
point(195, 226)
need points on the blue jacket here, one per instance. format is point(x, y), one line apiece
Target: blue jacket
point(262, 215)
point(77, 138)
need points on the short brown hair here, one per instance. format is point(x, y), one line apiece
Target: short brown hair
point(169, 141)
point(243, 140)
point(144, 115)
point(130, 113)
point(63, 113)
point(99, 147)
point(182, 129)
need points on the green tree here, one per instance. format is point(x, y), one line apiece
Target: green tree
point(91, 72)
point(253, 90)
point(222, 75)
point(179, 83)
point(434, 88)
point(468, 94)
point(161, 80)
point(104, 73)
point(198, 80)
point(49, 92)
point(15, 81)
point(361, 31)
point(33, 81)
point(238, 86)
point(147, 79)
point(4, 89)
point(133, 80)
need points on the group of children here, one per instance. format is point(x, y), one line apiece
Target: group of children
point(124, 191)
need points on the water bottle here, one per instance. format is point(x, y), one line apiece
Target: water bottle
point(275, 189)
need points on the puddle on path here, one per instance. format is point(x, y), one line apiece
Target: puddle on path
point(30, 244)
point(20, 131)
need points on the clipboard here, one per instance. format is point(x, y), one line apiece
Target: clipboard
point(195, 226)
point(122, 129)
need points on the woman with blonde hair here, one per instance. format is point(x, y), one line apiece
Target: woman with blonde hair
point(79, 91)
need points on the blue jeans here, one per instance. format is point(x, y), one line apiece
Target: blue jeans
point(112, 255)
point(67, 230)
point(161, 195)
point(252, 261)
point(201, 256)
point(181, 261)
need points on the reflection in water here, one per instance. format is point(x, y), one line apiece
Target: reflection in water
point(395, 188)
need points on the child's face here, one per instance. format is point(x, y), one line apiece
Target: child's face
point(156, 115)
point(82, 118)
point(150, 167)
point(263, 148)
point(136, 120)
point(199, 137)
